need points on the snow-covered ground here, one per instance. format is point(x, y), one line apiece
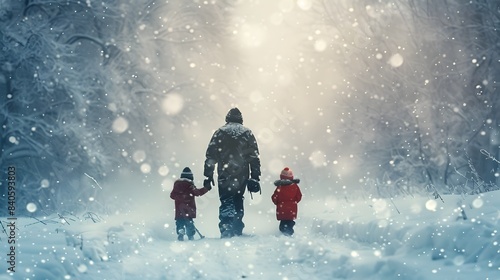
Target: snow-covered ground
point(401, 238)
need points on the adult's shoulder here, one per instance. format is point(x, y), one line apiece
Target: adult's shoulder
point(234, 129)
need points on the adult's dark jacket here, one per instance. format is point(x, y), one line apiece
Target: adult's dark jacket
point(183, 193)
point(235, 151)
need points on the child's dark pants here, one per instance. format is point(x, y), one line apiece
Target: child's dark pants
point(286, 227)
point(185, 226)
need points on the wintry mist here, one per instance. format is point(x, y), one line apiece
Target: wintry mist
point(388, 98)
point(387, 112)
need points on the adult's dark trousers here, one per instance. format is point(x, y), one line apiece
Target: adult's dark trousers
point(231, 214)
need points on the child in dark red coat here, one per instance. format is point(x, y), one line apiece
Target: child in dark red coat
point(183, 193)
point(286, 197)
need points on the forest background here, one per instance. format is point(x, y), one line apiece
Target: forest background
point(383, 97)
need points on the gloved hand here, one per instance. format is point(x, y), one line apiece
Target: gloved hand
point(253, 185)
point(208, 183)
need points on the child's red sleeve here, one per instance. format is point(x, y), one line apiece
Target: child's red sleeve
point(274, 197)
point(298, 196)
point(198, 192)
point(173, 193)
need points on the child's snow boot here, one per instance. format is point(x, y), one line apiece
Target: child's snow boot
point(190, 237)
point(180, 237)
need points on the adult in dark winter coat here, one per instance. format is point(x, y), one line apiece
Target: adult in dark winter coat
point(233, 148)
point(286, 197)
point(183, 194)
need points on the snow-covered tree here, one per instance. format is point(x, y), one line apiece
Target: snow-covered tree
point(82, 83)
point(415, 82)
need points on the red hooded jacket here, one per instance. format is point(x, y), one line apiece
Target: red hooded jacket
point(285, 197)
point(183, 193)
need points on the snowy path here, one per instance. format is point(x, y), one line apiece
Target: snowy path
point(253, 257)
point(365, 239)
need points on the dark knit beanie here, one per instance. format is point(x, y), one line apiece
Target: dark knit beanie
point(234, 115)
point(187, 174)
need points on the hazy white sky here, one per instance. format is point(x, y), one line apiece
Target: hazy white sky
point(277, 75)
point(278, 67)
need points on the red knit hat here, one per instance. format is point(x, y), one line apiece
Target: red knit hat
point(286, 174)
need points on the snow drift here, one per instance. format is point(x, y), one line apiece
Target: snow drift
point(371, 238)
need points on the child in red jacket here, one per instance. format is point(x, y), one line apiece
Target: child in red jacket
point(183, 193)
point(285, 197)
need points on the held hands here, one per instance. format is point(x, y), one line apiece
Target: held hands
point(208, 183)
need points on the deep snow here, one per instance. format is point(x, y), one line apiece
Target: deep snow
point(336, 238)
